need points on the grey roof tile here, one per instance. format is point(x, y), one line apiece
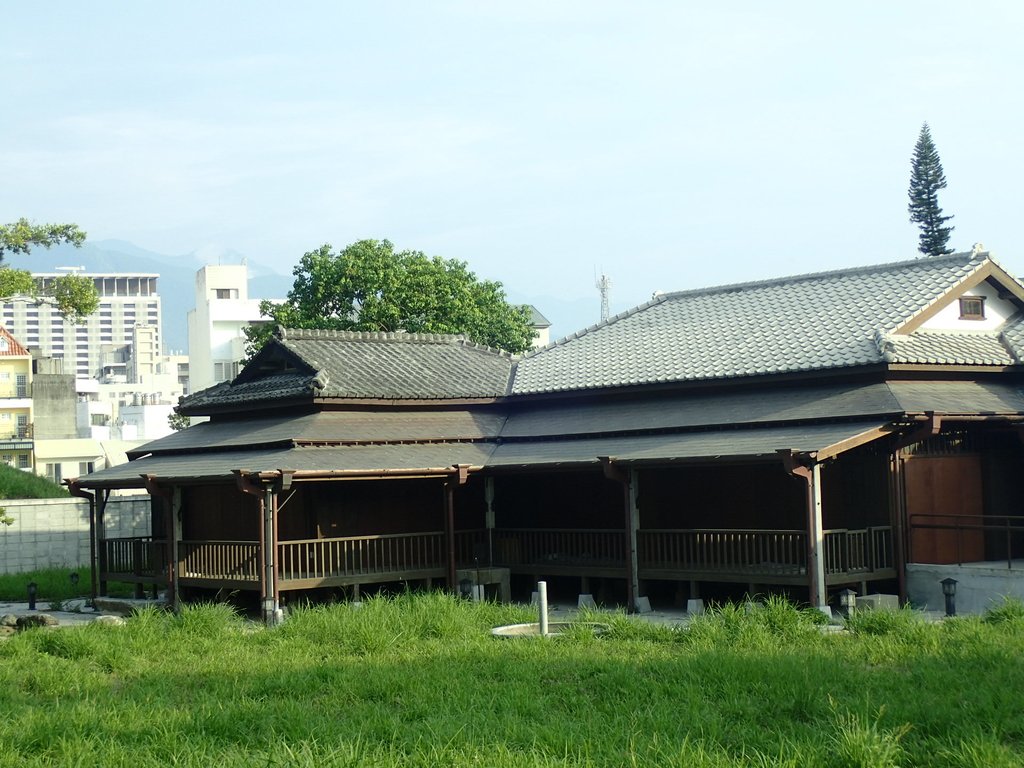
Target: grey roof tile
point(329, 427)
point(379, 366)
point(945, 348)
point(805, 323)
point(740, 406)
point(958, 397)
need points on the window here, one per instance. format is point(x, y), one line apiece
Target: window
point(225, 293)
point(972, 308)
point(53, 472)
point(84, 468)
point(23, 461)
point(4, 345)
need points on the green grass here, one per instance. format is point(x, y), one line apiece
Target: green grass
point(53, 585)
point(417, 680)
point(16, 484)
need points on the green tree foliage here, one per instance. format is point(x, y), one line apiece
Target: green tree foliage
point(74, 295)
point(926, 179)
point(177, 422)
point(369, 286)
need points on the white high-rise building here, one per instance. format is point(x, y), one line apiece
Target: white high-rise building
point(216, 338)
point(104, 340)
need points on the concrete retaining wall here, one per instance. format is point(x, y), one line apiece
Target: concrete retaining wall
point(49, 533)
point(980, 586)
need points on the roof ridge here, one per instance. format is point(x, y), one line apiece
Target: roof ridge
point(965, 256)
point(404, 337)
point(590, 328)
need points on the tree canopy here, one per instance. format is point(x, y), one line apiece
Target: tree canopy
point(926, 179)
point(74, 295)
point(369, 286)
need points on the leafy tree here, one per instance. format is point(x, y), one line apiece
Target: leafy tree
point(926, 179)
point(369, 286)
point(22, 236)
point(74, 295)
point(177, 422)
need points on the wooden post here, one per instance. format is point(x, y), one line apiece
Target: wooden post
point(808, 469)
point(898, 519)
point(818, 597)
point(101, 540)
point(449, 531)
point(173, 551)
point(633, 510)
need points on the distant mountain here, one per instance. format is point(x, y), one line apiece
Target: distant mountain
point(176, 283)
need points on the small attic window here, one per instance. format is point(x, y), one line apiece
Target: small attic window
point(972, 308)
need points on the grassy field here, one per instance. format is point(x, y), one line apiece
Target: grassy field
point(417, 680)
point(53, 585)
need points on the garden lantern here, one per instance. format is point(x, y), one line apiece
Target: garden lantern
point(847, 601)
point(32, 588)
point(949, 590)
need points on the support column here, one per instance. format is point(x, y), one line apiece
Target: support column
point(633, 511)
point(458, 476)
point(489, 518)
point(897, 519)
point(630, 524)
point(268, 561)
point(173, 551)
point(815, 541)
point(806, 467)
point(101, 540)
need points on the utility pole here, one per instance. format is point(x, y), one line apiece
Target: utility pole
point(604, 284)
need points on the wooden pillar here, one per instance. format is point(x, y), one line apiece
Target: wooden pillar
point(808, 469)
point(489, 518)
point(101, 541)
point(268, 557)
point(818, 597)
point(630, 519)
point(633, 526)
point(449, 532)
point(173, 550)
point(898, 519)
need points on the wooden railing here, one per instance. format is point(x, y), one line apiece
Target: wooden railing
point(735, 550)
point(1002, 534)
point(858, 551)
point(356, 555)
point(219, 560)
point(139, 557)
point(559, 547)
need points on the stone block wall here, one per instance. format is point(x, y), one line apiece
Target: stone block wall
point(51, 533)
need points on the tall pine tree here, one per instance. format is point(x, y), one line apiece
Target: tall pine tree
point(926, 179)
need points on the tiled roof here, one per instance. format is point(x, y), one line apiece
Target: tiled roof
point(357, 365)
point(14, 347)
point(400, 365)
point(805, 323)
point(330, 427)
point(274, 387)
point(945, 348)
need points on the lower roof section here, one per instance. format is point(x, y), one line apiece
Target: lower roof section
point(308, 462)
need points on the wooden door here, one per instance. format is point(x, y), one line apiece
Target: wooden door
point(950, 487)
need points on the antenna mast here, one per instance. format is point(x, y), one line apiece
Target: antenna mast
point(604, 284)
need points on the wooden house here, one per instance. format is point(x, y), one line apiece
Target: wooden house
point(807, 433)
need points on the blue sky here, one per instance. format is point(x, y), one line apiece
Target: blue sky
point(669, 145)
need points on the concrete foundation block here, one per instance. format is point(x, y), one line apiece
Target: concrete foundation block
point(643, 605)
point(878, 602)
point(695, 607)
point(586, 601)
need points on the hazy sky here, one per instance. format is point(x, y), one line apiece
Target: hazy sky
point(671, 145)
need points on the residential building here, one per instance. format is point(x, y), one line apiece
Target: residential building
point(16, 446)
point(216, 337)
point(104, 339)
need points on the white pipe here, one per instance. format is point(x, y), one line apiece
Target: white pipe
point(542, 600)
